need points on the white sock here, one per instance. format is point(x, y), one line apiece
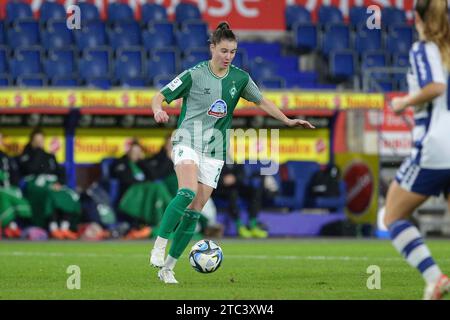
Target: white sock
point(161, 243)
point(65, 225)
point(170, 262)
point(408, 241)
point(53, 226)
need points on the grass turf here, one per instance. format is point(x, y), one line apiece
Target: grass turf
point(287, 269)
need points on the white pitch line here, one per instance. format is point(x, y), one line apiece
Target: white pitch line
point(256, 257)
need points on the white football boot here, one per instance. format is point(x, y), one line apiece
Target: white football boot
point(167, 276)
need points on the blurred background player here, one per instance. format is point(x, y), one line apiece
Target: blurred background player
point(210, 92)
point(51, 201)
point(233, 185)
point(142, 202)
point(426, 172)
point(13, 206)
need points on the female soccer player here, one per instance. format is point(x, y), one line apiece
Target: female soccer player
point(426, 172)
point(210, 92)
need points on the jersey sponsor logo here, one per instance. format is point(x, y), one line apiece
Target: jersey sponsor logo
point(218, 109)
point(175, 84)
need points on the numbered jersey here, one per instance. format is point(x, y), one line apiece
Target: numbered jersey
point(431, 134)
point(208, 105)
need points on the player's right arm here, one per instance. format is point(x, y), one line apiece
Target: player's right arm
point(177, 88)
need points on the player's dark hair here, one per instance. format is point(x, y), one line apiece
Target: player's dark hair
point(222, 32)
point(35, 132)
point(422, 8)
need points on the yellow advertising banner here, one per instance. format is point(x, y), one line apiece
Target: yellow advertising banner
point(122, 98)
point(93, 145)
point(15, 140)
point(280, 145)
point(361, 175)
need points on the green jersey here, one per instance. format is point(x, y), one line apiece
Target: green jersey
point(208, 105)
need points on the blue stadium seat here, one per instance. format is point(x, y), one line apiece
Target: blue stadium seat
point(375, 59)
point(305, 36)
point(296, 14)
point(163, 61)
point(193, 34)
point(391, 16)
point(2, 33)
point(60, 63)
point(95, 63)
point(119, 12)
point(158, 35)
point(92, 35)
point(358, 16)
point(262, 69)
point(65, 82)
point(37, 80)
point(336, 37)
point(24, 33)
point(330, 14)
point(241, 59)
point(294, 178)
point(133, 83)
point(89, 12)
point(5, 80)
point(129, 64)
point(51, 11)
point(57, 35)
point(367, 40)
point(125, 34)
point(186, 11)
point(273, 82)
point(194, 56)
point(152, 12)
point(99, 83)
point(26, 62)
point(17, 10)
point(400, 61)
point(163, 79)
point(4, 57)
point(342, 65)
point(399, 39)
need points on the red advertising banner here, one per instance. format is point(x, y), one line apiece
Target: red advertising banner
point(249, 15)
point(395, 131)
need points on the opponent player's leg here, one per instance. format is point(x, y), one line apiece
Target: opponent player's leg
point(187, 173)
point(406, 238)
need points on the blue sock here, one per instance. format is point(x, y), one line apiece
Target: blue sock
point(407, 240)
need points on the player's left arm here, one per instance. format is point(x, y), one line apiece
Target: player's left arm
point(270, 108)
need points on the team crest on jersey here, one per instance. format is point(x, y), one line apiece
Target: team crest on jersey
point(218, 109)
point(233, 90)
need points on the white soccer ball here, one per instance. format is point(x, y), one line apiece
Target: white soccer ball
point(206, 256)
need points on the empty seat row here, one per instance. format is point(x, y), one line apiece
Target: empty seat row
point(116, 12)
point(193, 33)
point(358, 15)
point(307, 37)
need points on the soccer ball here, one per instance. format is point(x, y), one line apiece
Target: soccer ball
point(206, 256)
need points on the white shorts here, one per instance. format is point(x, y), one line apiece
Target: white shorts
point(208, 168)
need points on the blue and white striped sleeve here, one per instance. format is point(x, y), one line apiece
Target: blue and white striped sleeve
point(428, 63)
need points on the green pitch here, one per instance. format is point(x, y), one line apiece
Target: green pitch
point(271, 269)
